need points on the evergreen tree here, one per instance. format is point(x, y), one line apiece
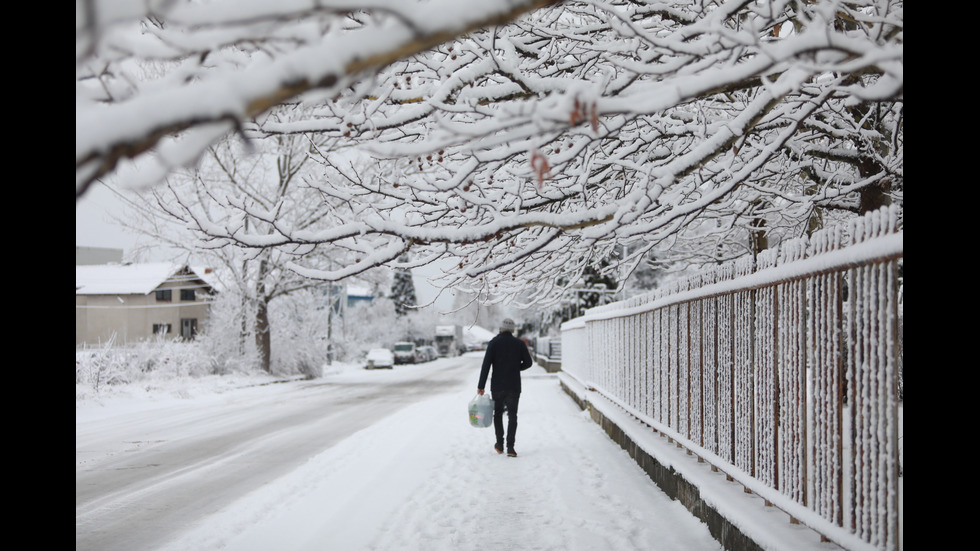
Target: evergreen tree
point(597, 289)
point(403, 291)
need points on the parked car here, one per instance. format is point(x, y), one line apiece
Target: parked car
point(405, 353)
point(428, 353)
point(380, 358)
point(476, 347)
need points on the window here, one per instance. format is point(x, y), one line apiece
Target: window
point(187, 294)
point(161, 328)
point(165, 295)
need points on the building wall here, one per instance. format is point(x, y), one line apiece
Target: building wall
point(131, 317)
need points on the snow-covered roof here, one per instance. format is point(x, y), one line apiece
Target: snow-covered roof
point(359, 291)
point(208, 276)
point(475, 334)
point(123, 279)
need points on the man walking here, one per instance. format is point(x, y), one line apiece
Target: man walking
point(508, 356)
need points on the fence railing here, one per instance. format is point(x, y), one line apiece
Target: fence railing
point(782, 372)
point(549, 347)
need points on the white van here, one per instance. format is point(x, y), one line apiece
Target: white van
point(405, 353)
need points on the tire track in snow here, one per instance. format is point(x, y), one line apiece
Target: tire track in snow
point(422, 479)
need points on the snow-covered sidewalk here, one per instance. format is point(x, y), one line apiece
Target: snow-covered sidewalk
point(423, 479)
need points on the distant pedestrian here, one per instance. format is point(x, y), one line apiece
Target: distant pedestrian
point(507, 356)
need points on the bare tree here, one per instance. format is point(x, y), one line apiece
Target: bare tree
point(532, 152)
point(530, 146)
point(157, 82)
point(264, 176)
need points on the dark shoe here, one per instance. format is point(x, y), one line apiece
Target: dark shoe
point(499, 448)
point(511, 452)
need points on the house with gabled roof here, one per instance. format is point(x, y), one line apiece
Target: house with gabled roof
point(128, 303)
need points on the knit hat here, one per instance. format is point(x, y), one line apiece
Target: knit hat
point(507, 325)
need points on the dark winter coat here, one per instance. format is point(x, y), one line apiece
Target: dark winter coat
point(508, 356)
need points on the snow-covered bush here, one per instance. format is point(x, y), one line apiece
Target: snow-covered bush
point(154, 359)
point(227, 340)
point(104, 366)
point(301, 333)
point(303, 341)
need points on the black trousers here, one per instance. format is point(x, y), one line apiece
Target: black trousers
point(505, 399)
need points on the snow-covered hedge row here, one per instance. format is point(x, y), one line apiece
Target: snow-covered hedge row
point(156, 359)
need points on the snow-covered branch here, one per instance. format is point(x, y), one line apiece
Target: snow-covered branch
point(530, 142)
point(328, 54)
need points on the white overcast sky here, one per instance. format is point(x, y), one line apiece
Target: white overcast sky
point(92, 229)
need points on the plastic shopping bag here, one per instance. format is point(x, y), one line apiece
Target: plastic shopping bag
point(481, 411)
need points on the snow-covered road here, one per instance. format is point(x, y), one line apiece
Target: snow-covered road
point(364, 460)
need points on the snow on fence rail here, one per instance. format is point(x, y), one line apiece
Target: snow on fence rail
point(549, 347)
point(782, 372)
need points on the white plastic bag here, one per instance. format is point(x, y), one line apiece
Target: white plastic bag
point(481, 411)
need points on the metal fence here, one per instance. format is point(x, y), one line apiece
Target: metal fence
point(782, 372)
point(549, 347)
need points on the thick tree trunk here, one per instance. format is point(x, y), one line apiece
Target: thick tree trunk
point(758, 238)
point(263, 337)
